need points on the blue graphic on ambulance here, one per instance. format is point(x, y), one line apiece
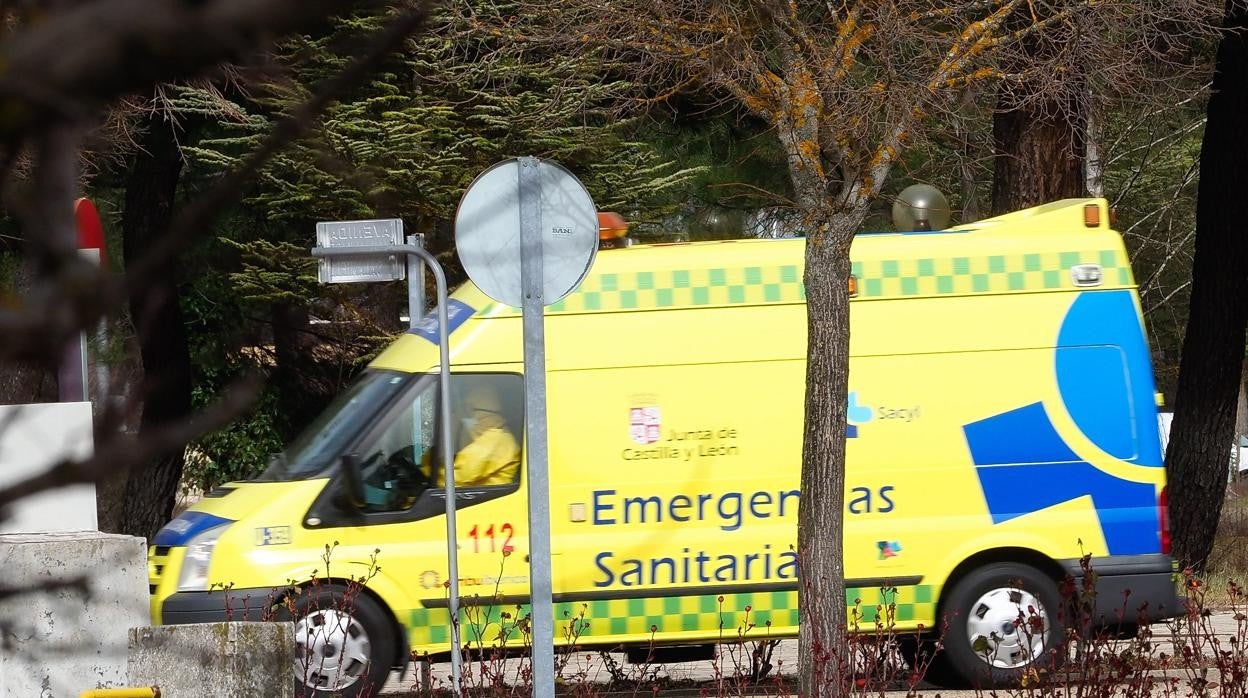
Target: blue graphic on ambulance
point(1106, 386)
point(856, 415)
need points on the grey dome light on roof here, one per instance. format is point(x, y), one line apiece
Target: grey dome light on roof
point(920, 207)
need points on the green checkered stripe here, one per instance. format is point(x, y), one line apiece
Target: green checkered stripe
point(684, 288)
point(679, 288)
point(1041, 271)
point(884, 606)
point(709, 614)
point(890, 278)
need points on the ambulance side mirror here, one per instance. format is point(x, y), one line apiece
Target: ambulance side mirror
point(353, 480)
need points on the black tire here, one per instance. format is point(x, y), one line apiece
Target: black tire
point(982, 614)
point(344, 643)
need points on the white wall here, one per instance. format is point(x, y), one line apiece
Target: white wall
point(33, 438)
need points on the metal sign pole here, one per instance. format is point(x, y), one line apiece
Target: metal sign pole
point(448, 469)
point(72, 381)
point(448, 458)
point(557, 215)
point(531, 280)
point(415, 283)
point(71, 377)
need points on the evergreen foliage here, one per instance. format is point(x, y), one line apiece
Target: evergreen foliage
point(405, 144)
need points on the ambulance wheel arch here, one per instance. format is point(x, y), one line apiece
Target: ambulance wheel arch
point(983, 558)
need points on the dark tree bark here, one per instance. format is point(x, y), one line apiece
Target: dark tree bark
point(151, 488)
point(1039, 128)
point(825, 663)
point(35, 379)
point(1039, 152)
point(27, 382)
point(1213, 346)
point(967, 145)
point(298, 376)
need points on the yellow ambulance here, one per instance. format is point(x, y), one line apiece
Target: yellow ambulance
point(1002, 424)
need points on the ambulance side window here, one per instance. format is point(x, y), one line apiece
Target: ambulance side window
point(395, 465)
point(487, 412)
point(402, 467)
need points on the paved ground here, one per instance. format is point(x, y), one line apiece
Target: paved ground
point(703, 677)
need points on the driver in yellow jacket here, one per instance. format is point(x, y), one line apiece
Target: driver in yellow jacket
point(493, 456)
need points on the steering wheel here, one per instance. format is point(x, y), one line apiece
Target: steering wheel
point(402, 468)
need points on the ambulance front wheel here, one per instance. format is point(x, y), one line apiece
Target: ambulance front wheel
point(1004, 622)
point(343, 643)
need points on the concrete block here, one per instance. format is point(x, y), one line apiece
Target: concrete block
point(215, 660)
point(56, 643)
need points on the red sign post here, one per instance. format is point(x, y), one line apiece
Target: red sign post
point(72, 376)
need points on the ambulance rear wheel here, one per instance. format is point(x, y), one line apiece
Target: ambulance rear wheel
point(343, 643)
point(1004, 622)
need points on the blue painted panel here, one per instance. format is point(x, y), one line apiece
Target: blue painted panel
point(457, 312)
point(1024, 435)
point(1109, 319)
point(1093, 381)
point(1024, 466)
point(181, 530)
point(1126, 510)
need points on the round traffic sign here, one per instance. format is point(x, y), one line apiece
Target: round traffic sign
point(488, 231)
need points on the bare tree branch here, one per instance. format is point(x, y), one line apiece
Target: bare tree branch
point(71, 294)
point(196, 219)
point(57, 310)
point(72, 62)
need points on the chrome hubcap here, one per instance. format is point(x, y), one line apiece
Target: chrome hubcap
point(331, 650)
point(1007, 627)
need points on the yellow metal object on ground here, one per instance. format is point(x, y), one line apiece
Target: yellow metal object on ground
point(148, 692)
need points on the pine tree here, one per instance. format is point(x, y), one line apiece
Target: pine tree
point(405, 144)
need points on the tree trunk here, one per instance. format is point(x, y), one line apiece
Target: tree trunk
point(824, 662)
point(1039, 152)
point(969, 148)
point(25, 382)
point(51, 244)
point(1039, 132)
point(296, 375)
point(1213, 346)
point(1241, 428)
point(1094, 164)
point(1241, 410)
point(151, 489)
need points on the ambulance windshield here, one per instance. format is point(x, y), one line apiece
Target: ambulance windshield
point(322, 442)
